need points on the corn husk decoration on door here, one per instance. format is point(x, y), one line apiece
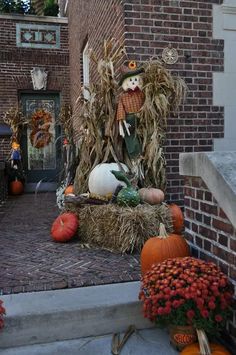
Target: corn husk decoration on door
point(102, 138)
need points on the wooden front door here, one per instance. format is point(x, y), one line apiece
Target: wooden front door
point(40, 144)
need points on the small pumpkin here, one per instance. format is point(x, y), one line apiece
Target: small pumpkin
point(69, 190)
point(151, 195)
point(162, 247)
point(127, 196)
point(16, 187)
point(177, 218)
point(203, 347)
point(64, 227)
point(101, 181)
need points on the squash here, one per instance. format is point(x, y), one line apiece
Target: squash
point(151, 195)
point(162, 247)
point(16, 187)
point(69, 190)
point(101, 181)
point(64, 227)
point(194, 349)
point(127, 196)
point(203, 347)
point(177, 218)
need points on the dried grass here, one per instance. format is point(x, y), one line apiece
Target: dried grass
point(98, 139)
point(120, 229)
point(163, 95)
point(16, 120)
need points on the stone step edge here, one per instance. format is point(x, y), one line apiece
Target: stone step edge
point(48, 316)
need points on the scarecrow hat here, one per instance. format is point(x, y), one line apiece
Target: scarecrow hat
point(130, 70)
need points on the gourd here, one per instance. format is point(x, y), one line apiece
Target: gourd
point(151, 195)
point(69, 190)
point(162, 247)
point(101, 181)
point(177, 218)
point(16, 187)
point(203, 347)
point(127, 196)
point(64, 227)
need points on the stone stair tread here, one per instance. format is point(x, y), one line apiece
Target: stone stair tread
point(149, 341)
point(50, 316)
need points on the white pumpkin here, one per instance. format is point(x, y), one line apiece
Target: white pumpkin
point(102, 181)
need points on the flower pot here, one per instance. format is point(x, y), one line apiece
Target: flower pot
point(181, 336)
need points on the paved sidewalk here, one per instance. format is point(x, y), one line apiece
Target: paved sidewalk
point(31, 261)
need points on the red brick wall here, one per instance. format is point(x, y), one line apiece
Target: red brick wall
point(95, 21)
point(152, 25)
point(148, 27)
point(209, 231)
point(16, 63)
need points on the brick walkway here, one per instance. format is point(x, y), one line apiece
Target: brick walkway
point(31, 261)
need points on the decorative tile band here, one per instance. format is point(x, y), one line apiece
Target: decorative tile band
point(37, 36)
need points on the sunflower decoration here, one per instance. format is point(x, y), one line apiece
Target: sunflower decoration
point(132, 65)
point(40, 136)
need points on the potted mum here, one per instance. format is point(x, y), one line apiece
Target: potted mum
point(186, 292)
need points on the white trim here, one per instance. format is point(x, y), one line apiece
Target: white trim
point(229, 9)
point(33, 18)
point(86, 62)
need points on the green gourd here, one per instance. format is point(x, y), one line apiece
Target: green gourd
point(127, 196)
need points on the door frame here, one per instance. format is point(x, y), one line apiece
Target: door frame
point(22, 96)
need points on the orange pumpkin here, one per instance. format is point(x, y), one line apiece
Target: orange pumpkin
point(151, 195)
point(203, 347)
point(16, 187)
point(177, 218)
point(194, 349)
point(64, 227)
point(162, 247)
point(69, 190)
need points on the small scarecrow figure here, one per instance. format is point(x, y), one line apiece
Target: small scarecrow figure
point(15, 156)
point(129, 104)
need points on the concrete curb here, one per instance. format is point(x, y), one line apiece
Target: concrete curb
point(49, 316)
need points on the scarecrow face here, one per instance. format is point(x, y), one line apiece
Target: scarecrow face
point(132, 82)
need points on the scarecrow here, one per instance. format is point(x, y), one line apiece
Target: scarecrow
point(15, 155)
point(129, 104)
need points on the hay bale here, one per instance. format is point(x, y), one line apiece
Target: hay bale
point(120, 229)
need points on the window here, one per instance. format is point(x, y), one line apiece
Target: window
point(86, 61)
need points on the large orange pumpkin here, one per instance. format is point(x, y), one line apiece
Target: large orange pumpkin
point(64, 227)
point(194, 349)
point(69, 190)
point(151, 195)
point(177, 218)
point(16, 187)
point(162, 247)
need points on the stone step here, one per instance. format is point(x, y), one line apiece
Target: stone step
point(50, 316)
point(148, 341)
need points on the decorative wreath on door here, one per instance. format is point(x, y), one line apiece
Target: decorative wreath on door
point(40, 136)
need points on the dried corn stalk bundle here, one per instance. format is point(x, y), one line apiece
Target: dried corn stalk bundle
point(98, 139)
point(15, 119)
point(68, 149)
point(163, 95)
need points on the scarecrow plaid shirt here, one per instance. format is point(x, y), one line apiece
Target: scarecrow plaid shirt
point(129, 102)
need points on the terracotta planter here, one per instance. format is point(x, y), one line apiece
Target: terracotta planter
point(181, 336)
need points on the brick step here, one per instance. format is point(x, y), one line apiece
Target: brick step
point(49, 316)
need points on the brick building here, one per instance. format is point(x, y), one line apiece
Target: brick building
point(28, 42)
point(146, 27)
